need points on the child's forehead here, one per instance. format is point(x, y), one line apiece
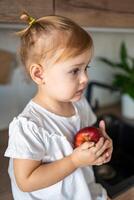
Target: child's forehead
point(79, 60)
point(83, 58)
point(64, 65)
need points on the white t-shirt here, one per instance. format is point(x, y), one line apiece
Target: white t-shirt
point(41, 135)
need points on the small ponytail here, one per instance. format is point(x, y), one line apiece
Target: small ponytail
point(25, 17)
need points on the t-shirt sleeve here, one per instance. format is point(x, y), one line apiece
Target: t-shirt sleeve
point(25, 141)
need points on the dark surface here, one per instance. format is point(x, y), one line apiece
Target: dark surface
point(122, 161)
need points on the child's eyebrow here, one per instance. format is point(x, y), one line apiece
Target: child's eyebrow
point(79, 64)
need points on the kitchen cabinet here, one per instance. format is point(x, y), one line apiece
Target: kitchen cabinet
point(91, 13)
point(94, 13)
point(10, 10)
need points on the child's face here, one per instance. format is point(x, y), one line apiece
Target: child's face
point(66, 80)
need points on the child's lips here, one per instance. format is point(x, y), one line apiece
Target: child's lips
point(80, 91)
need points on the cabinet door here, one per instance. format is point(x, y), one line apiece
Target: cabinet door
point(10, 10)
point(98, 13)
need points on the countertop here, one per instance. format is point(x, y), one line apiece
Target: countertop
point(128, 195)
point(114, 109)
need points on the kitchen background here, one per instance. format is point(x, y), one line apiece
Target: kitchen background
point(109, 22)
point(16, 92)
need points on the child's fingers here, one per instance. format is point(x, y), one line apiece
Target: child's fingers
point(109, 148)
point(102, 149)
point(100, 143)
point(100, 160)
point(87, 145)
point(102, 126)
point(107, 160)
point(108, 154)
point(98, 146)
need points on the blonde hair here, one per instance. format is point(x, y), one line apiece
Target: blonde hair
point(45, 36)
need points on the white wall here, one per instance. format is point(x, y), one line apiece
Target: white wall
point(15, 95)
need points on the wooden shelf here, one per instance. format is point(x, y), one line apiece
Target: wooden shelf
point(98, 13)
point(88, 13)
point(10, 10)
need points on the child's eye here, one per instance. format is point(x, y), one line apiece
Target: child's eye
point(87, 67)
point(75, 71)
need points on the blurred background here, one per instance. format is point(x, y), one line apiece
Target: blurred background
point(109, 22)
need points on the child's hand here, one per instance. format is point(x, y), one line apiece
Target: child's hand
point(90, 153)
point(110, 145)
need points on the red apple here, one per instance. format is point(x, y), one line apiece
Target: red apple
point(91, 134)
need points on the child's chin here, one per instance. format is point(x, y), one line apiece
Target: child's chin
point(77, 98)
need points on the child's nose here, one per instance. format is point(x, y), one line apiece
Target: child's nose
point(84, 78)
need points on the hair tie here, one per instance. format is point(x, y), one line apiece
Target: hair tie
point(31, 20)
point(27, 18)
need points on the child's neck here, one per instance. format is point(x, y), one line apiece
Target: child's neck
point(65, 109)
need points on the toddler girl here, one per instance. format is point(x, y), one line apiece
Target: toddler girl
point(43, 162)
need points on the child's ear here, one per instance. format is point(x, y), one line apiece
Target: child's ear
point(36, 73)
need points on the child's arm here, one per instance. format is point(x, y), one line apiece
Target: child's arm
point(33, 175)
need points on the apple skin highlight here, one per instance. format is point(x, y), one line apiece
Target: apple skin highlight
point(90, 134)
